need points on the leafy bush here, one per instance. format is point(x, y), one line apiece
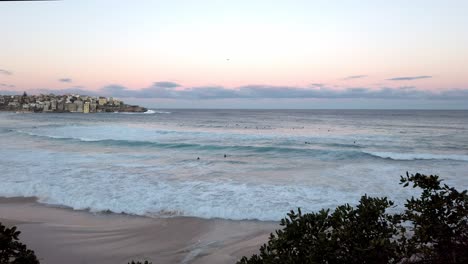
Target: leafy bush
point(11, 250)
point(437, 222)
point(440, 221)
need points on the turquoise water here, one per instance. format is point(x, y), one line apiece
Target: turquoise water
point(233, 164)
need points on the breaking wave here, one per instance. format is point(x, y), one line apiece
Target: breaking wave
point(320, 153)
point(418, 156)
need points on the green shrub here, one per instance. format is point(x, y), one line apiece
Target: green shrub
point(365, 234)
point(11, 250)
point(439, 219)
point(437, 222)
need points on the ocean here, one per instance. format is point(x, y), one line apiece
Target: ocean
point(229, 164)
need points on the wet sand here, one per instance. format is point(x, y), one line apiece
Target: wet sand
point(61, 235)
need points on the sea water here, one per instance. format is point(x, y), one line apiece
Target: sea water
point(231, 164)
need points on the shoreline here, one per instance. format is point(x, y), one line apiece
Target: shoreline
point(63, 235)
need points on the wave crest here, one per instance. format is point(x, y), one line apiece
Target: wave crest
point(418, 156)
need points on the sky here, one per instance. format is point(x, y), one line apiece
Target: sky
point(241, 54)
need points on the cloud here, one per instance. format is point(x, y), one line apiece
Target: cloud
point(355, 77)
point(5, 72)
point(166, 84)
point(285, 92)
point(65, 80)
point(158, 91)
point(116, 90)
point(7, 85)
point(318, 84)
point(409, 78)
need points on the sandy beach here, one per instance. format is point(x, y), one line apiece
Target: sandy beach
point(61, 235)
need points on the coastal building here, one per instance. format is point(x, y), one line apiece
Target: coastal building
point(53, 105)
point(13, 104)
point(46, 107)
point(102, 101)
point(39, 106)
point(61, 105)
point(86, 107)
point(70, 107)
point(79, 106)
point(92, 107)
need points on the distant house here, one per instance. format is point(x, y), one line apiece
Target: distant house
point(102, 101)
point(79, 106)
point(46, 107)
point(70, 107)
point(92, 107)
point(61, 105)
point(14, 104)
point(53, 105)
point(86, 107)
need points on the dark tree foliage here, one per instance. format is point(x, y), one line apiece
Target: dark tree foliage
point(364, 234)
point(11, 250)
point(440, 221)
point(139, 262)
point(437, 223)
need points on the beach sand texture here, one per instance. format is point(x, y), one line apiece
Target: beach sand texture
point(60, 235)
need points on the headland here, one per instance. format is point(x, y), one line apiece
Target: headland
point(68, 103)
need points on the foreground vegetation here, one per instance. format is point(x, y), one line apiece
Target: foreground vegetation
point(432, 229)
point(13, 251)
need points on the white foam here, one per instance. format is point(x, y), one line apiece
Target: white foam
point(161, 112)
point(133, 195)
point(418, 156)
point(100, 182)
point(149, 111)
